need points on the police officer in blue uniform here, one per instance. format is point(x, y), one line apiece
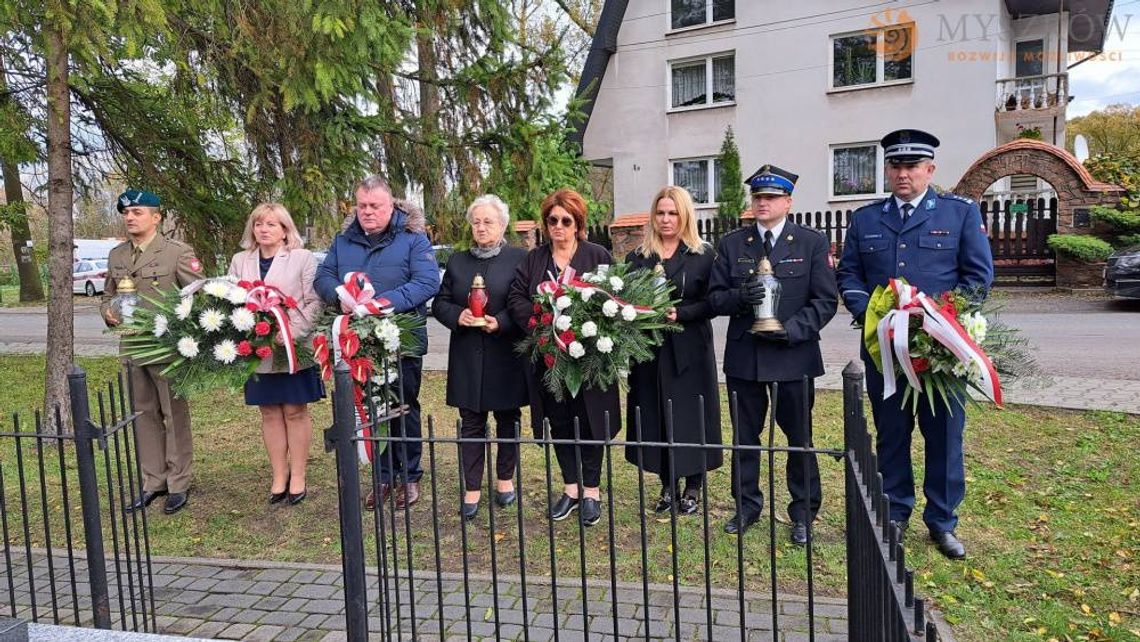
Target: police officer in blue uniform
point(937, 242)
point(800, 258)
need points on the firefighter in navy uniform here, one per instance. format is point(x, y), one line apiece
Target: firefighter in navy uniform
point(800, 257)
point(937, 242)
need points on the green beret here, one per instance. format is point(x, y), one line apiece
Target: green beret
point(137, 198)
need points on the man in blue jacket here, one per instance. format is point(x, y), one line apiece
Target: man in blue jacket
point(938, 243)
point(387, 241)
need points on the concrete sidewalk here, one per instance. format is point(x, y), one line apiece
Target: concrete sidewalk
point(267, 601)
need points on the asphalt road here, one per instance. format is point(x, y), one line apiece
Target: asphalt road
point(1072, 336)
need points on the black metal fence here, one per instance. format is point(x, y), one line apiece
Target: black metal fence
point(833, 223)
point(49, 470)
point(429, 573)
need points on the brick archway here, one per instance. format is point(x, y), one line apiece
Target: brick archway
point(1075, 186)
point(1018, 240)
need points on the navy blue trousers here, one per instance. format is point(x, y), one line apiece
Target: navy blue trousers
point(400, 461)
point(942, 430)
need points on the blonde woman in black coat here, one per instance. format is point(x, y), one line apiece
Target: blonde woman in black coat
point(684, 368)
point(484, 374)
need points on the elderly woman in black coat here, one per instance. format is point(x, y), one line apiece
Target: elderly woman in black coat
point(684, 368)
point(564, 220)
point(484, 374)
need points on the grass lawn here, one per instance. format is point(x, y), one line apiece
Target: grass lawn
point(1050, 518)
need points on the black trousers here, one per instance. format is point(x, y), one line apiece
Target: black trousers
point(474, 425)
point(561, 416)
point(802, 470)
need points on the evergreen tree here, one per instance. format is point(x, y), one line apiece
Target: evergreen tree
point(733, 198)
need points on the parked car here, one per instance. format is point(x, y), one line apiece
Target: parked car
point(1122, 273)
point(88, 276)
point(442, 253)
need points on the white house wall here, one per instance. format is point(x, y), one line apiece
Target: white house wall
point(784, 112)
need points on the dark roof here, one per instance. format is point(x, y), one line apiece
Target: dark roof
point(1088, 19)
point(603, 46)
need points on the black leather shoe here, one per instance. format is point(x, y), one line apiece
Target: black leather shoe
point(949, 545)
point(736, 525)
point(799, 534)
point(505, 498)
point(176, 502)
point(664, 502)
point(277, 498)
point(469, 511)
point(297, 498)
point(901, 524)
point(591, 511)
point(563, 507)
point(144, 500)
point(688, 504)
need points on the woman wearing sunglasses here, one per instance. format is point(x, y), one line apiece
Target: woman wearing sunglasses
point(564, 223)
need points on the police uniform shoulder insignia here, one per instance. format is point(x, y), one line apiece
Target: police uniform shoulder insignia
point(956, 197)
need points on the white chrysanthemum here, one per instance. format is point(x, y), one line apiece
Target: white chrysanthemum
point(586, 293)
point(216, 289)
point(242, 320)
point(605, 345)
point(237, 296)
point(184, 308)
point(576, 350)
point(225, 351)
point(975, 325)
point(211, 320)
point(589, 329)
point(628, 313)
point(603, 269)
point(563, 323)
point(188, 347)
point(161, 323)
point(610, 308)
point(616, 283)
point(563, 302)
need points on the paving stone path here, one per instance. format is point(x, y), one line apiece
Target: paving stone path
point(265, 601)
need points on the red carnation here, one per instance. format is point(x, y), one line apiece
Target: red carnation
point(549, 360)
point(252, 307)
point(262, 328)
point(920, 364)
point(290, 302)
point(547, 318)
point(537, 308)
point(244, 349)
point(530, 325)
point(567, 336)
point(258, 283)
point(245, 284)
point(543, 340)
point(264, 352)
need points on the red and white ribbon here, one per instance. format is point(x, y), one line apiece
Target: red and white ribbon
point(894, 341)
point(358, 294)
point(266, 298)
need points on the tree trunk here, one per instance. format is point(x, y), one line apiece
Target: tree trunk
point(430, 164)
point(61, 320)
point(31, 288)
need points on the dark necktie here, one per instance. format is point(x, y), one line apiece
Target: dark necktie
point(907, 208)
point(767, 242)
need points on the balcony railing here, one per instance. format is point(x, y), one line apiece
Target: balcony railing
point(1030, 93)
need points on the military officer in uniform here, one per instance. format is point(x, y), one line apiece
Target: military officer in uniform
point(155, 264)
point(800, 258)
point(937, 242)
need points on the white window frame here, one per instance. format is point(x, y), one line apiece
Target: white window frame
point(708, 60)
point(709, 22)
point(879, 61)
point(714, 161)
point(880, 172)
